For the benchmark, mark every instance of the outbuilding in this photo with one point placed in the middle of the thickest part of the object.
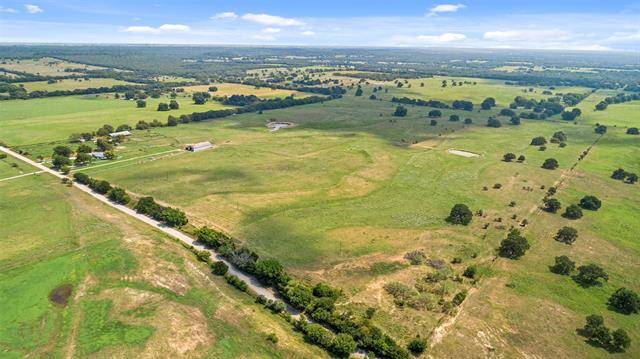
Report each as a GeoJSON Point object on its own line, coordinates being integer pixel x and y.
{"type": "Point", "coordinates": [199, 146]}
{"type": "Point", "coordinates": [98, 155]}
{"type": "Point", "coordinates": [121, 133]}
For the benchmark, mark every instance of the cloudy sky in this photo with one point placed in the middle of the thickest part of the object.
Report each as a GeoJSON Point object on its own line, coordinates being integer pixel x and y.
{"type": "Point", "coordinates": [539, 24]}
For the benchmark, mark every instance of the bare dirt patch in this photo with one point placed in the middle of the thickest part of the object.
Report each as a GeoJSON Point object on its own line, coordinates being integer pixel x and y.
{"type": "Point", "coordinates": [462, 153]}
{"type": "Point", "coordinates": [61, 294]}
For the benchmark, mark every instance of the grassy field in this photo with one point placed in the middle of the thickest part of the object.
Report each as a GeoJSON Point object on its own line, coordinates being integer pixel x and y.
{"type": "Point", "coordinates": [228, 89]}
{"type": "Point", "coordinates": [40, 121]}
{"type": "Point", "coordinates": [46, 66]}
{"type": "Point", "coordinates": [343, 195]}
{"type": "Point", "coordinates": [72, 84]}
{"type": "Point", "coordinates": [483, 88]}
{"type": "Point", "coordinates": [133, 292]}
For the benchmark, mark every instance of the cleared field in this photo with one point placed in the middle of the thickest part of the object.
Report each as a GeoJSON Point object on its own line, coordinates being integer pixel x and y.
{"type": "Point", "coordinates": [228, 89]}
{"type": "Point", "coordinates": [47, 66]}
{"type": "Point", "coordinates": [483, 88]}
{"type": "Point", "coordinates": [345, 193]}
{"type": "Point", "coordinates": [72, 84]}
{"type": "Point", "coordinates": [40, 121]}
{"type": "Point", "coordinates": [78, 279]}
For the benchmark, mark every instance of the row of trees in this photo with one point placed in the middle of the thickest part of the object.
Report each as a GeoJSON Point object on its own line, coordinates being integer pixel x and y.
{"type": "Point", "coordinates": [115, 194]}
{"type": "Point", "coordinates": [318, 302]}
{"type": "Point", "coordinates": [619, 98]}
{"type": "Point", "coordinates": [172, 217]}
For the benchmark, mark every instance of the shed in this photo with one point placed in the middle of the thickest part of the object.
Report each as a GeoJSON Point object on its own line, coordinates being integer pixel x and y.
{"type": "Point", "coordinates": [98, 155]}
{"type": "Point", "coordinates": [121, 133]}
{"type": "Point", "coordinates": [199, 146]}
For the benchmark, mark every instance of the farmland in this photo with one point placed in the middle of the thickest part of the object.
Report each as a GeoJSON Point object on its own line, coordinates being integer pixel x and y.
{"type": "Point", "coordinates": [134, 291]}
{"type": "Point", "coordinates": [355, 193]}
{"type": "Point", "coordinates": [72, 84]}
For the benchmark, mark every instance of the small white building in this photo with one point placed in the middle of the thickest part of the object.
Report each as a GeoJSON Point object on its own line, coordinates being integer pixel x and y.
{"type": "Point", "coordinates": [98, 155]}
{"type": "Point", "coordinates": [199, 146]}
{"type": "Point", "coordinates": [121, 133]}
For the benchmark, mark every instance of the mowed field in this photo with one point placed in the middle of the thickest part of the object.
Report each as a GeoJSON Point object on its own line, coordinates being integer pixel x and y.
{"type": "Point", "coordinates": [78, 279]}
{"type": "Point", "coordinates": [72, 84]}
{"type": "Point", "coordinates": [228, 89]}
{"type": "Point", "coordinates": [46, 66]}
{"type": "Point", "coordinates": [346, 193]}
{"type": "Point", "coordinates": [41, 121]}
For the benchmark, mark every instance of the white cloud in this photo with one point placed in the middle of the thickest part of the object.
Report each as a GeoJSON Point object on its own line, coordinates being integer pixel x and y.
{"type": "Point", "coordinates": [446, 37]}
{"type": "Point", "coordinates": [271, 30]}
{"type": "Point", "coordinates": [157, 30]}
{"type": "Point", "coordinates": [174, 27]}
{"type": "Point", "coordinates": [527, 35]}
{"type": "Point", "coordinates": [225, 15]}
{"type": "Point", "coordinates": [33, 9]}
{"type": "Point", "coordinates": [624, 37]}
{"type": "Point", "coordinates": [272, 20]}
{"type": "Point", "coordinates": [307, 33]}
{"type": "Point", "coordinates": [7, 9]}
{"type": "Point", "coordinates": [446, 8]}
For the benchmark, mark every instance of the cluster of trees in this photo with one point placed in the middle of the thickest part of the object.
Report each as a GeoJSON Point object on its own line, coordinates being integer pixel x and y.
{"type": "Point", "coordinates": [572, 99]}
{"type": "Point", "coordinates": [418, 102]}
{"type": "Point", "coordinates": [318, 302]}
{"type": "Point", "coordinates": [619, 98]}
{"type": "Point", "coordinates": [463, 105]}
{"type": "Point", "coordinates": [509, 157]}
{"type": "Point", "coordinates": [115, 194]}
{"type": "Point", "coordinates": [571, 115]}
{"type": "Point", "coordinates": [172, 105]}
{"type": "Point", "coordinates": [541, 109]}
{"type": "Point", "coordinates": [172, 217]}
{"type": "Point", "coordinates": [598, 334]}
{"type": "Point", "coordinates": [622, 175]}
{"type": "Point", "coordinates": [240, 100]}
{"type": "Point", "coordinates": [199, 98]}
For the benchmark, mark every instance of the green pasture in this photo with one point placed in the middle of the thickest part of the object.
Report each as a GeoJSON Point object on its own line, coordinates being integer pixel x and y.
{"type": "Point", "coordinates": [72, 84]}
{"type": "Point", "coordinates": [53, 236]}
{"type": "Point", "coordinates": [40, 121]}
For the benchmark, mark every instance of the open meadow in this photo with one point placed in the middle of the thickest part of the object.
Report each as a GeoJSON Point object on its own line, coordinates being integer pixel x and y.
{"type": "Point", "coordinates": [72, 84]}
{"type": "Point", "coordinates": [78, 279]}
{"type": "Point", "coordinates": [350, 191]}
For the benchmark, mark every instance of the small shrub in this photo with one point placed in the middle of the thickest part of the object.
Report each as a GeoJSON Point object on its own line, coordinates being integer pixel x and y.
{"type": "Point", "coordinates": [567, 235]}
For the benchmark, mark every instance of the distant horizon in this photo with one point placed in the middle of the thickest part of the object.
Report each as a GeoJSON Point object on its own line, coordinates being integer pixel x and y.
{"type": "Point", "coordinates": [541, 25]}
{"type": "Point", "coordinates": [284, 46]}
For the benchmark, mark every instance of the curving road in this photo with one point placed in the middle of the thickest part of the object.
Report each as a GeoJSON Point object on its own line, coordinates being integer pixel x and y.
{"type": "Point", "coordinates": [251, 281]}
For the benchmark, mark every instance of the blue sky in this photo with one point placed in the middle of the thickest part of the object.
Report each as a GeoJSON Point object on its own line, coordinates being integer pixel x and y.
{"type": "Point", "coordinates": [541, 24]}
